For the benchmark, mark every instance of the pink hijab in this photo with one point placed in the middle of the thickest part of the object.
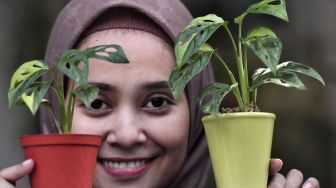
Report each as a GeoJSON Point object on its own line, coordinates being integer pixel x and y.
{"type": "Point", "coordinates": [171, 16]}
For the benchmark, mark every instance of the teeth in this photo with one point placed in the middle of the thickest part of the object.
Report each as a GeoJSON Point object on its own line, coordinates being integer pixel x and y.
{"type": "Point", "coordinates": [122, 165]}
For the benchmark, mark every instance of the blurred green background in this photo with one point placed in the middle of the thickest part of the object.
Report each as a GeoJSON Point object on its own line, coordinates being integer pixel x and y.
{"type": "Point", "coordinates": [304, 137]}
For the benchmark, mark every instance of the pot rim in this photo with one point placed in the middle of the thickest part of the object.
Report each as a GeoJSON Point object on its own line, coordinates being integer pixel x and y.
{"type": "Point", "coordinates": [60, 139]}
{"type": "Point", "coordinates": [239, 115]}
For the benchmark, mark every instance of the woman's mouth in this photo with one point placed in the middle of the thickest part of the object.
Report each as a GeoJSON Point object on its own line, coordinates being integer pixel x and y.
{"type": "Point", "coordinates": [125, 168]}
{"type": "Point", "coordinates": [123, 165]}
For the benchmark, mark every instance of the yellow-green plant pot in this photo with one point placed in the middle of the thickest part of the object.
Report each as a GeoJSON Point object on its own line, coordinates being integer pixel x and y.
{"type": "Point", "coordinates": [240, 147]}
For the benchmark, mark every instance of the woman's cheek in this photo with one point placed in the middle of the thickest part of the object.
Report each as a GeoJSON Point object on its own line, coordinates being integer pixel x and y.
{"type": "Point", "coordinates": [171, 131]}
{"type": "Point", "coordinates": [83, 124]}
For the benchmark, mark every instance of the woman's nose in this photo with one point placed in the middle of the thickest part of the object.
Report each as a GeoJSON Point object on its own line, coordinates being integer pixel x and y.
{"type": "Point", "coordinates": [126, 132]}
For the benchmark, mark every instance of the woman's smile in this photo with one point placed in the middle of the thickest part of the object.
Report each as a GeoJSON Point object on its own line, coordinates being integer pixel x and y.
{"type": "Point", "coordinates": [126, 168]}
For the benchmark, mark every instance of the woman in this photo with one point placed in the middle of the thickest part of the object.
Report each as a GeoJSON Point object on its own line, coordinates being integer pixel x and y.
{"type": "Point", "coordinates": [150, 140]}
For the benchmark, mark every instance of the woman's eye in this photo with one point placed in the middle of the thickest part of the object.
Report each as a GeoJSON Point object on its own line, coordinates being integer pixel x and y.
{"type": "Point", "coordinates": [157, 102]}
{"type": "Point", "coordinates": [97, 104]}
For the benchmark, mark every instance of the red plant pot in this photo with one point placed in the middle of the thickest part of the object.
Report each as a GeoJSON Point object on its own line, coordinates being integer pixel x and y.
{"type": "Point", "coordinates": [62, 160]}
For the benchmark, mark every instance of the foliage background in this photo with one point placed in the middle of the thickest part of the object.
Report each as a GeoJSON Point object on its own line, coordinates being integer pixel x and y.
{"type": "Point", "coordinates": [304, 137]}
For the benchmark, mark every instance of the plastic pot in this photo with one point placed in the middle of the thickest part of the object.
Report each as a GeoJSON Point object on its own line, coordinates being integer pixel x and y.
{"type": "Point", "coordinates": [62, 160]}
{"type": "Point", "coordinates": [240, 147]}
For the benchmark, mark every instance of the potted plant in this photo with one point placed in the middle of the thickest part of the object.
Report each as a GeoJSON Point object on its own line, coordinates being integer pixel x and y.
{"type": "Point", "coordinates": [64, 159]}
{"type": "Point", "coordinates": [239, 139]}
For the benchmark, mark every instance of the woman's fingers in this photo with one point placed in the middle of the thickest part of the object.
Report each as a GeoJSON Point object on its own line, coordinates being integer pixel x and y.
{"type": "Point", "coordinates": [311, 183]}
{"type": "Point", "coordinates": [14, 173]}
{"type": "Point", "coordinates": [275, 166]}
{"type": "Point", "coordinates": [277, 181]}
{"type": "Point", "coordinates": [294, 179]}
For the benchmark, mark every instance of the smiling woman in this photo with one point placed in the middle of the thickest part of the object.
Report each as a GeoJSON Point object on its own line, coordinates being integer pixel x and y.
{"type": "Point", "coordinates": [145, 129]}
{"type": "Point", "coordinates": [149, 139]}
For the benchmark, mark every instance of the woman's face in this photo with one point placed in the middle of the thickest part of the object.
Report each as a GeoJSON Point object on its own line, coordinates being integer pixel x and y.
{"type": "Point", "coordinates": [145, 131]}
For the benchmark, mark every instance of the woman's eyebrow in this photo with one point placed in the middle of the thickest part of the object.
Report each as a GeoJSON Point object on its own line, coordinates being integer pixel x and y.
{"type": "Point", "coordinates": [147, 86]}
{"type": "Point", "coordinates": [103, 86]}
{"type": "Point", "coordinates": [156, 85]}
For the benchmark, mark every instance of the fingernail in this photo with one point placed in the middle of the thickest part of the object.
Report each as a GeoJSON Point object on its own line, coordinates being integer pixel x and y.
{"type": "Point", "coordinates": [27, 162]}
{"type": "Point", "coordinates": [307, 185]}
{"type": "Point", "coordinates": [278, 159]}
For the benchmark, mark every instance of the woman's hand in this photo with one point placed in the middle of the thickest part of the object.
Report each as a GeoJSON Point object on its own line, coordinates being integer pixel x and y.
{"type": "Point", "coordinates": [293, 179]}
{"type": "Point", "coordinates": [10, 175]}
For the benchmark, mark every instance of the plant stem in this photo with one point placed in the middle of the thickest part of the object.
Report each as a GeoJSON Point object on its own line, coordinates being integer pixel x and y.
{"type": "Point", "coordinates": [69, 111]}
{"type": "Point", "coordinates": [72, 112]}
{"type": "Point", "coordinates": [242, 76]}
{"type": "Point", "coordinates": [60, 98]}
{"type": "Point", "coordinates": [235, 90]}
{"type": "Point", "coordinates": [57, 86]}
{"type": "Point", "coordinates": [238, 56]}
{"type": "Point", "coordinates": [232, 40]}
{"type": "Point", "coordinates": [246, 72]}
{"type": "Point", "coordinates": [59, 128]}
{"type": "Point", "coordinates": [254, 101]}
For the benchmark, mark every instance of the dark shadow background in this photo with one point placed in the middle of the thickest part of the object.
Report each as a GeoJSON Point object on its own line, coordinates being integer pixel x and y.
{"type": "Point", "coordinates": [304, 137]}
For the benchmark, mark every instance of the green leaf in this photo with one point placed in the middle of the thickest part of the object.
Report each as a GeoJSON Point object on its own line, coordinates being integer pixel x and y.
{"type": "Point", "coordinates": [216, 92]}
{"type": "Point", "coordinates": [68, 65]}
{"type": "Point", "coordinates": [111, 53]}
{"type": "Point", "coordinates": [265, 45]}
{"type": "Point", "coordinates": [276, 8]}
{"type": "Point", "coordinates": [86, 93]}
{"type": "Point", "coordinates": [286, 75]}
{"type": "Point", "coordinates": [260, 32]}
{"type": "Point", "coordinates": [69, 62]}
{"type": "Point", "coordinates": [194, 35]}
{"type": "Point", "coordinates": [33, 96]}
{"type": "Point", "coordinates": [286, 79]}
{"type": "Point", "coordinates": [291, 66]}
{"type": "Point", "coordinates": [23, 78]}
{"type": "Point", "coordinates": [180, 76]}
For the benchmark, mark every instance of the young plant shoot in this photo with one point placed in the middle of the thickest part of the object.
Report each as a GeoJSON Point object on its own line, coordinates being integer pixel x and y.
{"type": "Point", "coordinates": [27, 86]}
{"type": "Point", "coordinates": [193, 53]}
